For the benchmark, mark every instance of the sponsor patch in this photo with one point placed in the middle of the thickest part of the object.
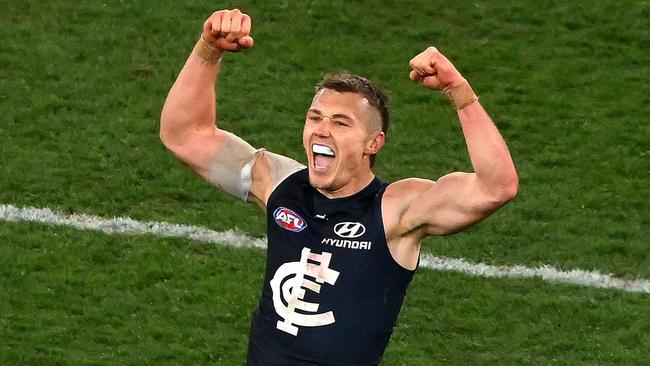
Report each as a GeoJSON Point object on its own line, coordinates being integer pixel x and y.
{"type": "Point", "coordinates": [289, 220]}
{"type": "Point", "coordinates": [349, 229]}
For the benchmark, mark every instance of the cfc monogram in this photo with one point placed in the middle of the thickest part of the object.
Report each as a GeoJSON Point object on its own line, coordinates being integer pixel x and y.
{"type": "Point", "coordinates": [289, 285]}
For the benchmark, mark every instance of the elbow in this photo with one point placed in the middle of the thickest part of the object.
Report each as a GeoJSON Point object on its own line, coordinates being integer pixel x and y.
{"type": "Point", "coordinates": [171, 142]}
{"type": "Point", "coordinates": [163, 134]}
{"type": "Point", "coordinates": [165, 138]}
{"type": "Point", "coordinates": [509, 189]}
{"type": "Point", "coordinates": [503, 192]}
{"type": "Point", "coordinates": [513, 190]}
{"type": "Point", "coordinates": [166, 135]}
{"type": "Point", "coordinates": [497, 194]}
{"type": "Point", "coordinates": [169, 122]}
{"type": "Point", "coordinates": [167, 141]}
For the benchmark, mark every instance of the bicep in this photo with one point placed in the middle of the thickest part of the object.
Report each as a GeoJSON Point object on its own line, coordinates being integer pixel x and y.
{"type": "Point", "coordinates": [198, 150]}
{"type": "Point", "coordinates": [234, 166]}
{"type": "Point", "coordinates": [448, 205]}
{"type": "Point", "coordinates": [220, 157]}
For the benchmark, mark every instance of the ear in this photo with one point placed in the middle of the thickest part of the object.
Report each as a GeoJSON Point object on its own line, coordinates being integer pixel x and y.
{"type": "Point", "coordinates": [375, 143]}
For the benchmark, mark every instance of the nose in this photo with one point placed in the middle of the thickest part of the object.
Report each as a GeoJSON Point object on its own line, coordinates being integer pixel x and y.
{"type": "Point", "coordinates": [322, 129]}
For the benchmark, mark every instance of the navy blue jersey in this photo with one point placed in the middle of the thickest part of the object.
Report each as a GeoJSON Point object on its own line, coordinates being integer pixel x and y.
{"type": "Point", "coordinates": [332, 291]}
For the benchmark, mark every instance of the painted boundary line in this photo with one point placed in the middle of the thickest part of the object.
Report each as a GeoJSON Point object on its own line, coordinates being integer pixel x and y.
{"type": "Point", "coordinates": [232, 238]}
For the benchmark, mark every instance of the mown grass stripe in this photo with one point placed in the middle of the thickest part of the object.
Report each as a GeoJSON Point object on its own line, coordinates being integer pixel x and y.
{"type": "Point", "coordinates": [233, 238]}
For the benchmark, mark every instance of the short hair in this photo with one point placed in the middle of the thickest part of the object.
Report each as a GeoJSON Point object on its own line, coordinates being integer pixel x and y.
{"type": "Point", "coordinates": [345, 82]}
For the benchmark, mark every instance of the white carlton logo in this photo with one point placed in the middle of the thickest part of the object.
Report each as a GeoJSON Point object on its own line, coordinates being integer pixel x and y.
{"type": "Point", "coordinates": [288, 294]}
{"type": "Point", "coordinates": [349, 229]}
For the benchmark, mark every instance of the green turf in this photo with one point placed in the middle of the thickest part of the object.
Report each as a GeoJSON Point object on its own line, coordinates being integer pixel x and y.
{"type": "Point", "coordinates": [81, 297]}
{"type": "Point", "coordinates": [81, 89]}
{"type": "Point", "coordinates": [75, 297]}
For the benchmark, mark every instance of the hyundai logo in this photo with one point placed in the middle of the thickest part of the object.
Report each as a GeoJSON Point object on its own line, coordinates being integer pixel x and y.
{"type": "Point", "coordinates": [349, 229]}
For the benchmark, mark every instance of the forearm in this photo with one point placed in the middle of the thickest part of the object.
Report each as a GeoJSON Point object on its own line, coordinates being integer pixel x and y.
{"type": "Point", "coordinates": [489, 155]}
{"type": "Point", "coordinates": [190, 106]}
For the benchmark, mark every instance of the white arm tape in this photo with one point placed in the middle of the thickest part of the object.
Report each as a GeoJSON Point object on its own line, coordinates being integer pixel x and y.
{"type": "Point", "coordinates": [281, 167]}
{"type": "Point", "coordinates": [232, 167]}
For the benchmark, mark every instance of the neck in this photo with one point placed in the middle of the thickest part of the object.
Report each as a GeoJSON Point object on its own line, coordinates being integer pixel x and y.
{"type": "Point", "coordinates": [355, 185]}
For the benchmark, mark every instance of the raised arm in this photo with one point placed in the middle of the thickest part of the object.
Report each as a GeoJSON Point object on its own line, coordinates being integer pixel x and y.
{"type": "Point", "coordinates": [457, 200]}
{"type": "Point", "coordinates": [188, 121]}
{"type": "Point", "coordinates": [188, 124]}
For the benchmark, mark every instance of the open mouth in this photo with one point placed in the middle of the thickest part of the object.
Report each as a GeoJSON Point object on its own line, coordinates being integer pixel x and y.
{"type": "Point", "coordinates": [324, 157]}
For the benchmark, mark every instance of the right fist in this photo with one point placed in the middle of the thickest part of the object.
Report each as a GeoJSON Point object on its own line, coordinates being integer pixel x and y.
{"type": "Point", "coordinates": [228, 30]}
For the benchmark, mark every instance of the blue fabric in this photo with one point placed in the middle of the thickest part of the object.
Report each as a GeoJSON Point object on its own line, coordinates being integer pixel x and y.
{"type": "Point", "coordinates": [357, 309]}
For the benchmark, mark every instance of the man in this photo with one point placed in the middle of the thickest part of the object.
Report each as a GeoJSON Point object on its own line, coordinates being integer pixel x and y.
{"type": "Point", "coordinates": [342, 244]}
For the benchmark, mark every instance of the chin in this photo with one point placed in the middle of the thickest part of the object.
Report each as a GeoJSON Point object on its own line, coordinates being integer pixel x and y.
{"type": "Point", "coordinates": [320, 181]}
{"type": "Point", "coordinates": [317, 182]}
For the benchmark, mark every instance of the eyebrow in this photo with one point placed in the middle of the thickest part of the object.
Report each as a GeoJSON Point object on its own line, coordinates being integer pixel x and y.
{"type": "Point", "coordinates": [334, 116]}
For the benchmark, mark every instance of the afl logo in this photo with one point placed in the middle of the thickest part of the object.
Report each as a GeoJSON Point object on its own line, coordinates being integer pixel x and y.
{"type": "Point", "coordinates": [289, 220]}
{"type": "Point", "coordinates": [349, 229]}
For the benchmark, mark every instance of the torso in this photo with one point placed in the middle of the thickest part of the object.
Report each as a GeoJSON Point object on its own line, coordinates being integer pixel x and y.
{"type": "Point", "coordinates": [347, 283]}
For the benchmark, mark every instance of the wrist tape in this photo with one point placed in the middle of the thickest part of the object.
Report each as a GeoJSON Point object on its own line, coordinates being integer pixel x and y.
{"type": "Point", "coordinates": [460, 95]}
{"type": "Point", "coordinates": [207, 52]}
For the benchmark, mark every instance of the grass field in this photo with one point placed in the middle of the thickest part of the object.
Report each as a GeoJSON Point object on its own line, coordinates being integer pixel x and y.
{"type": "Point", "coordinates": [81, 89]}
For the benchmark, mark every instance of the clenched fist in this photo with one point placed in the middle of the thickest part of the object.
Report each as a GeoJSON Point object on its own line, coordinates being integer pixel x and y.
{"type": "Point", "coordinates": [228, 30]}
{"type": "Point", "coordinates": [434, 71]}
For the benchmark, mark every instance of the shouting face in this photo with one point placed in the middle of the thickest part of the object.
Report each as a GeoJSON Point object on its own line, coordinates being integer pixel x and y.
{"type": "Point", "coordinates": [341, 132]}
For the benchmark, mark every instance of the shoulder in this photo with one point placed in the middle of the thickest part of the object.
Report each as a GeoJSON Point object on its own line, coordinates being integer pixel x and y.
{"type": "Point", "coordinates": [269, 171]}
{"type": "Point", "coordinates": [405, 191]}
{"type": "Point", "coordinates": [411, 190]}
{"type": "Point", "coordinates": [409, 186]}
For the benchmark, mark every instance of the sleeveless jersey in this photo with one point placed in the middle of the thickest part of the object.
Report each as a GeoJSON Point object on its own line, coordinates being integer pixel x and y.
{"type": "Point", "coordinates": [332, 291]}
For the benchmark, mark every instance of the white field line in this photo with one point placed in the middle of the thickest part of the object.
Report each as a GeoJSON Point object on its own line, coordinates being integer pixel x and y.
{"type": "Point", "coordinates": [125, 225]}
{"type": "Point", "coordinates": [233, 238]}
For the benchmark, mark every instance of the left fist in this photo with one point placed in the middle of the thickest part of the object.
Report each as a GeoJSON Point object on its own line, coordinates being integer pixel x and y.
{"type": "Point", "coordinates": [434, 71]}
